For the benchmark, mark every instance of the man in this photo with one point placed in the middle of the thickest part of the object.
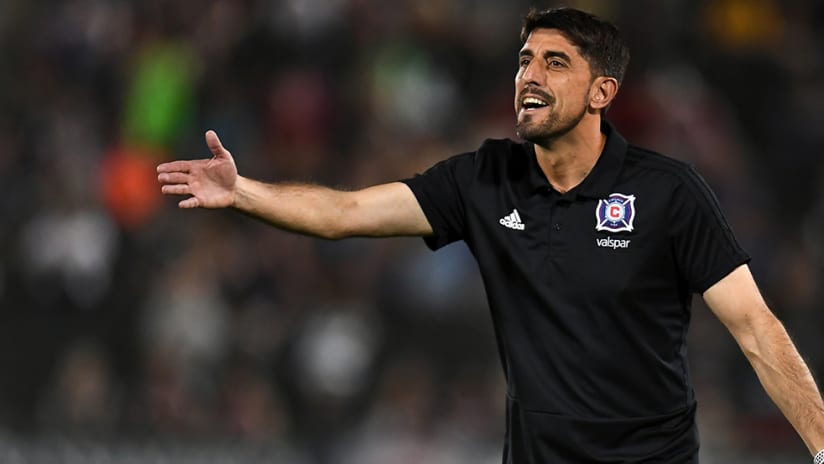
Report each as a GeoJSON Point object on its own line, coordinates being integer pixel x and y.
{"type": "Point", "coordinates": [590, 250]}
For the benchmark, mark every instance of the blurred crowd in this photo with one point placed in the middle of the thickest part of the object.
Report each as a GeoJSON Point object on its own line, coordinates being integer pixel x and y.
{"type": "Point", "coordinates": [132, 331]}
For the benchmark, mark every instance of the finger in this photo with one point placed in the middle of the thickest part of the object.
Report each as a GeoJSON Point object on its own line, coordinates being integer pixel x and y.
{"type": "Point", "coordinates": [189, 203]}
{"type": "Point", "coordinates": [177, 189]}
{"type": "Point", "coordinates": [175, 166]}
{"type": "Point", "coordinates": [214, 144]}
{"type": "Point", "coordinates": [173, 178]}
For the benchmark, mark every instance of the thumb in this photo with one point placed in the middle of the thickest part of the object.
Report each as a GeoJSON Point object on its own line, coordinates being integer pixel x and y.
{"type": "Point", "coordinates": [215, 146]}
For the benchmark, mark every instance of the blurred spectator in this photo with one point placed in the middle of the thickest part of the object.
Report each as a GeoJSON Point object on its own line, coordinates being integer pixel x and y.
{"type": "Point", "coordinates": [83, 401]}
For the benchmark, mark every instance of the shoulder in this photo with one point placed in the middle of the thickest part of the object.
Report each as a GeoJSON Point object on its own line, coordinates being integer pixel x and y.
{"type": "Point", "coordinates": [489, 150]}
{"type": "Point", "coordinates": [642, 161]}
{"type": "Point", "coordinates": [501, 145]}
{"type": "Point", "coordinates": [502, 153]}
{"type": "Point", "coordinates": [499, 151]}
{"type": "Point", "coordinates": [493, 159]}
{"type": "Point", "coordinates": [503, 161]}
{"type": "Point", "coordinates": [646, 160]}
{"type": "Point", "coordinates": [683, 184]}
{"type": "Point", "coordinates": [493, 155]}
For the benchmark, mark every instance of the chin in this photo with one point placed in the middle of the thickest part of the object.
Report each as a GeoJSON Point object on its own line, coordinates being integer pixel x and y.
{"type": "Point", "coordinates": [542, 133]}
{"type": "Point", "coordinates": [534, 133]}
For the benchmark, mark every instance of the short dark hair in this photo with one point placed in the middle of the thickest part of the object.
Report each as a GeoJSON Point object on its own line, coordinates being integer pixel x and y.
{"type": "Point", "coordinates": [598, 41]}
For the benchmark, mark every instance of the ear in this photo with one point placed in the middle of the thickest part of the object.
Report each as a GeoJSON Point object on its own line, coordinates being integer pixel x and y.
{"type": "Point", "coordinates": [602, 92]}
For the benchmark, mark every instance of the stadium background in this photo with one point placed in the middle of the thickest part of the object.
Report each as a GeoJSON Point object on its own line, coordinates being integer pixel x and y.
{"type": "Point", "coordinates": [131, 331]}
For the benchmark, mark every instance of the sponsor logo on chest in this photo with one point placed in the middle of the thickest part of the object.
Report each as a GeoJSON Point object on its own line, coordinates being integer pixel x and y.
{"type": "Point", "coordinates": [610, 242]}
{"type": "Point", "coordinates": [615, 214]}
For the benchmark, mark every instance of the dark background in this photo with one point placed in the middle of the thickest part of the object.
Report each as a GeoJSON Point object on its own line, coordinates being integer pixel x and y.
{"type": "Point", "coordinates": [131, 331]}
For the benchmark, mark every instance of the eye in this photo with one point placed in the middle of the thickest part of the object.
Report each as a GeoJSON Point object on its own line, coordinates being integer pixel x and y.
{"type": "Point", "coordinates": [556, 64]}
{"type": "Point", "coordinates": [523, 62]}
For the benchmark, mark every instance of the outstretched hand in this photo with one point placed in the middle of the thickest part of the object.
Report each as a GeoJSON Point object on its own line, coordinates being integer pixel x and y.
{"type": "Point", "coordinates": [210, 182]}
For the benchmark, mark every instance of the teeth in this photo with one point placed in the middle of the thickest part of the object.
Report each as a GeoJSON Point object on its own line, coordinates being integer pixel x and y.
{"type": "Point", "coordinates": [533, 101]}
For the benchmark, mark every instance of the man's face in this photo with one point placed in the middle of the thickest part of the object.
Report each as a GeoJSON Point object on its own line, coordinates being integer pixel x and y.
{"type": "Point", "coordinates": [552, 87]}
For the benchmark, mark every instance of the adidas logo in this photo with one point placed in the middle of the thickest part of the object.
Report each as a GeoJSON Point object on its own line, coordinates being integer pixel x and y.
{"type": "Point", "coordinates": [512, 221]}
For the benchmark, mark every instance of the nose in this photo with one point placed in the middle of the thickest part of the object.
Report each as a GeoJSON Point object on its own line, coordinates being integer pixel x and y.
{"type": "Point", "coordinates": [531, 73]}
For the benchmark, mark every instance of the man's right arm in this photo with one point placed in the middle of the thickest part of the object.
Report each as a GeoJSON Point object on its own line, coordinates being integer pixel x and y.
{"type": "Point", "coordinates": [379, 211]}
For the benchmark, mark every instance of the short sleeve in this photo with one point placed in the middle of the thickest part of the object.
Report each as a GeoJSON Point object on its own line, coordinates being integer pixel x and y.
{"type": "Point", "coordinates": [441, 191]}
{"type": "Point", "coordinates": [705, 247]}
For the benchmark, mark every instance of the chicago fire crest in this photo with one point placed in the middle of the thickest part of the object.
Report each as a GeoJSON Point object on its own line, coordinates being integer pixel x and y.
{"type": "Point", "coordinates": [616, 213]}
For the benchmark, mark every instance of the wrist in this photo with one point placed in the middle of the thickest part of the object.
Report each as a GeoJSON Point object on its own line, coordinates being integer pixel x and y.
{"type": "Point", "coordinates": [239, 193]}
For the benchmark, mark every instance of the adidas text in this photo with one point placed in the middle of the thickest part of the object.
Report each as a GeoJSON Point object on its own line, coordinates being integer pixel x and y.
{"type": "Point", "coordinates": [610, 242]}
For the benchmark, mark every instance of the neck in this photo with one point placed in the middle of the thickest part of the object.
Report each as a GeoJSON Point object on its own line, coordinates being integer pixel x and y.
{"type": "Point", "coordinates": [567, 160]}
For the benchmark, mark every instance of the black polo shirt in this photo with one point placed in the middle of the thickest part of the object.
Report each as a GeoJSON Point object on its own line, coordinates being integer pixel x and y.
{"type": "Point", "coordinates": [590, 293]}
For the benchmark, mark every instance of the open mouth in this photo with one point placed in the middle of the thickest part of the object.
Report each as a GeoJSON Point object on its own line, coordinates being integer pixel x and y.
{"type": "Point", "coordinates": [533, 103]}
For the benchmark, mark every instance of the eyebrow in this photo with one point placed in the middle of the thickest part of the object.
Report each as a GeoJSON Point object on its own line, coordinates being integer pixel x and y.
{"type": "Point", "coordinates": [547, 54]}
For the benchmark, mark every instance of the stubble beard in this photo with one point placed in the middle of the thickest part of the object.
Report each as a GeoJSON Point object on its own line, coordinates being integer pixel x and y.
{"type": "Point", "coordinates": [543, 133]}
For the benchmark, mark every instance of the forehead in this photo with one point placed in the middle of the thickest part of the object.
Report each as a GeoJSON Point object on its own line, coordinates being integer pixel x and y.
{"type": "Point", "coordinates": [542, 40]}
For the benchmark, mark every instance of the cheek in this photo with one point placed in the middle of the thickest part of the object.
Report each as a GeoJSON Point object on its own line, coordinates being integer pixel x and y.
{"type": "Point", "coordinates": [518, 88]}
{"type": "Point", "coordinates": [584, 91]}
{"type": "Point", "coordinates": [574, 97]}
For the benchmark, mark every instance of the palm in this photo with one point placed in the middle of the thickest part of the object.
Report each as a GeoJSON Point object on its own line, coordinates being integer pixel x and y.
{"type": "Point", "coordinates": [210, 182]}
{"type": "Point", "coordinates": [213, 181]}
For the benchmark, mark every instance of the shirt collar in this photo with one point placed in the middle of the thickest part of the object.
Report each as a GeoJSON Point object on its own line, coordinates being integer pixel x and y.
{"type": "Point", "coordinates": [601, 180]}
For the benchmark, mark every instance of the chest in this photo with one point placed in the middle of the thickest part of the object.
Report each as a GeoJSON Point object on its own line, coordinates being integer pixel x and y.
{"type": "Point", "coordinates": [613, 244]}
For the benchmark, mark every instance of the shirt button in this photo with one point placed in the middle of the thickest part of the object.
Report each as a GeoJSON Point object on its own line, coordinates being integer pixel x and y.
{"type": "Point", "coordinates": [556, 226]}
